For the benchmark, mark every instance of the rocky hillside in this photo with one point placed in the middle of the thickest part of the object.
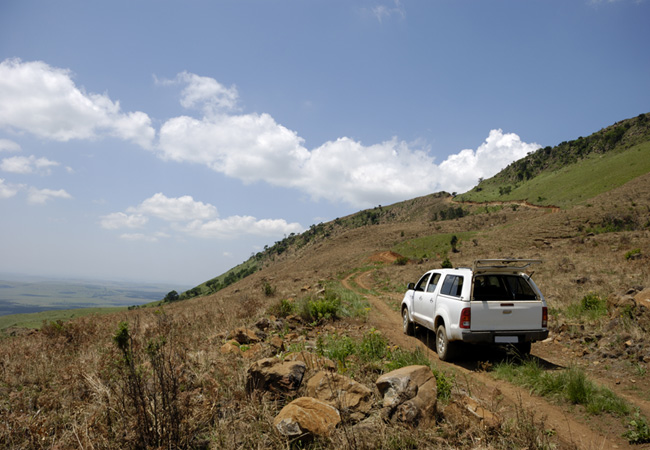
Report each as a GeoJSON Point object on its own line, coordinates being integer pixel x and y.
{"type": "Point", "coordinates": [307, 351]}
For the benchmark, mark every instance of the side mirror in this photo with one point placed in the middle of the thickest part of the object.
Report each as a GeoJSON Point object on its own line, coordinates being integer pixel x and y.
{"type": "Point", "coordinates": [410, 286]}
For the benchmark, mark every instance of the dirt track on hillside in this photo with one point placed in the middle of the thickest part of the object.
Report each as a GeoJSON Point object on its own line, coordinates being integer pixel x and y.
{"type": "Point", "coordinates": [570, 430]}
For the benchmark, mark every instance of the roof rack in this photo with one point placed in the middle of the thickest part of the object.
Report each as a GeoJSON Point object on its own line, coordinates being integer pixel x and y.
{"type": "Point", "coordinates": [504, 263]}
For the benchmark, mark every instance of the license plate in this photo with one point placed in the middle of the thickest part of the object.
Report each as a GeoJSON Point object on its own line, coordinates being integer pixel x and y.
{"type": "Point", "coordinates": [506, 339]}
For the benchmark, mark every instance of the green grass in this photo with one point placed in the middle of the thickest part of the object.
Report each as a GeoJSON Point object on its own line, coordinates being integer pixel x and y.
{"type": "Point", "coordinates": [590, 307]}
{"type": "Point", "coordinates": [570, 385]}
{"type": "Point", "coordinates": [573, 184]}
{"type": "Point", "coordinates": [35, 320]}
{"type": "Point", "coordinates": [372, 353]}
{"type": "Point", "coordinates": [434, 246]}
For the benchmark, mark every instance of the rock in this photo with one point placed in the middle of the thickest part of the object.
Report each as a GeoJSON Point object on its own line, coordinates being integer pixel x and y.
{"type": "Point", "coordinates": [312, 361]}
{"type": "Point", "coordinates": [465, 411]}
{"type": "Point", "coordinates": [275, 376]}
{"type": "Point", "coordinates": [246, 335]}
{"type": "Point", "coordinates": [230, 347]}
{"type": "Point", "coordinates": [402, 384]}
{"type": "Point", "coordinates": [351, 398]}
{"type": "Point", "coordinates": [263, 324]}
{"type": "Point", "coordinates": [409, 395]}
{"type": "Point", "coordinates": [277, 343]}
{"type": "Point", "coordinates": [305, 418]}
{"type": "Point", "coordinates": [253, 351]}
{"type": "Point", "coordinates": [421, 409]}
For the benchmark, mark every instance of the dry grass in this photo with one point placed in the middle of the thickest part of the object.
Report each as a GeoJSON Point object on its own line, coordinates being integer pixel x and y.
{"type": "Point", "coordinates": [67, 386]}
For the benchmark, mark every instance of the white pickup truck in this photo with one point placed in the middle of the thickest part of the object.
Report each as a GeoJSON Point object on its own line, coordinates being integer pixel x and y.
{"type": "Point", "coordinates": [493, 302]}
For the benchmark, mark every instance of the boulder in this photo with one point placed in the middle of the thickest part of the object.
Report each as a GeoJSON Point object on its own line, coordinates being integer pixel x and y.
{"type": "Point", "coordinates": [246, 336]}
{"type": "Point", "coordinates": [230, 347]}
{"type": "Point", "coordinates": [305, 418]}
{"type": "Point", "coordinates": [421, 409]}
{"type": "Point", "coordinates": [312, 361]}
{"type": "Point", "coordinates": [409, 395]}
{"type": "Point", "coordinates": [351, 398]}
{"type": "Point", "coordinates": [275, 376]}
{"type": "Point", "coordinates": [402, 384]}
{"type": "Point", "coordinates": [465, 412]}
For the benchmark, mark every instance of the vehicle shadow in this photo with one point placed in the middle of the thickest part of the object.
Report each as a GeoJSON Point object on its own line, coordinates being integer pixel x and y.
{"type": "Point", "coordinates": [480, 357]}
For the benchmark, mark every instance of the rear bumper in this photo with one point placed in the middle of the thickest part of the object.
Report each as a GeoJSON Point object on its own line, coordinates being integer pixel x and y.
{"type": "Point", "coordinates": [493, 336]}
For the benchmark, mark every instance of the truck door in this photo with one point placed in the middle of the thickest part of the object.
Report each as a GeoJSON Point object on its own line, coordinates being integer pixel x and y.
{"type": "Point", "coordinates": [418, 297]}
{"type": "Point", "coordinates": [429, 297]}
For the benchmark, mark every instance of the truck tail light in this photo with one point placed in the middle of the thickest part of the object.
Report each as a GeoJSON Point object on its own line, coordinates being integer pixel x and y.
{"type": "Point", "coordinates": [465, 318]}
{"type": "Point", "coordinates": [544, 317]}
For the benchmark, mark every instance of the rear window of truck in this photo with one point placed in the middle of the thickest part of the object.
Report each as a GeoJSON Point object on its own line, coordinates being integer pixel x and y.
{"type": "Point", "coordinates": [502, 287]}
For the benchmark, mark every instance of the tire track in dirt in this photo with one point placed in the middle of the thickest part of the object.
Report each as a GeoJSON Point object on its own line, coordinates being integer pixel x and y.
{"type": "Point", "coordinates": [572, 433]}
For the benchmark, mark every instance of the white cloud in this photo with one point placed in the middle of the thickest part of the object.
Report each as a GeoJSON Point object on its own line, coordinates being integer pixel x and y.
{"type": "Point", "coordinates": [138, 237]}
{"type": "Point", "coordinates": [9, 146]}
{"type": "Point", "coordinates": [121, 220]}
{"type": "Point", "coordinates": [44, 101]}
{"type": "Point", "coordinates": [40, 196]}
{"type": "Point", "coordinates": [250, 147]}
{"type": "Point", "coordinates": [382, 12]}
{"type": "Point", "coordinates": [254, 147]}
{"type": "Point", "coordinates": [181, 209]}
{"type": "Point", "coordinates": [194, 218]}
{"type": "Point", "coordinates": [7, 190]}
{"type": "Point", "coordinates": [27, 164]}
{"type": "Point", "coordinates": [238, 225]}
{"type": "Point", "coordinates": [460, 172]}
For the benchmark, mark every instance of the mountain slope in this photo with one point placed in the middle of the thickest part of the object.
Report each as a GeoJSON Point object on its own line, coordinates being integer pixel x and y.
{"type": "Point", "coordinates": [572, 172]}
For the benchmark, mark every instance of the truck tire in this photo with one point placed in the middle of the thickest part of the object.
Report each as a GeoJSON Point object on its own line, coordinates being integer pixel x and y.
{"type": "Point", "coordinates": [443, 346]}
{"type": "Point", "coordinates": [409, 327]}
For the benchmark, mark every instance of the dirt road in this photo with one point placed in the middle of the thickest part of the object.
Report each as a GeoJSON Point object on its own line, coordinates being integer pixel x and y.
{"type": "Point", "coordinates": [573, 430]}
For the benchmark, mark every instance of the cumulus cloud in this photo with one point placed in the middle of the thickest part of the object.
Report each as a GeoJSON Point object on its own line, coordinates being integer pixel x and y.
{"type": "Point", "coordinates": [41, 196]}
{"type": "Point", "coordinates": [121, 220]}
{"type": "Point", "coordinates": [9, 146]}
{"type": "Point", "coordinates": [204, 93]}
{"type": "Point", "coordinates": [250, 147]}
{"type": "Point", "coordinates": [179, 209]}
{"type": "Point", "coordinates": [254, 148]}
{"type": "Point", "coordinates": [27, 164]}
{"type": "Point", "coordinates": [236, 225]}
{"type": "Point", "coordinates": [194, 218]}
{"type": "Point", "coordinates": [44, 101]}
{"type": "Point", "coordinates": [7, 190]}
{"type": "Point", "coordinates": [461, 171]}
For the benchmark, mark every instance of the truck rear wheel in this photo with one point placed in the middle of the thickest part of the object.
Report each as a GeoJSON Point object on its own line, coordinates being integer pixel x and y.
{"type": "Point", "coordinates": [443, 346]}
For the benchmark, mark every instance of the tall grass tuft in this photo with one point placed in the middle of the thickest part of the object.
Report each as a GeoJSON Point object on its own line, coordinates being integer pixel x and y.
{"type": "Point", "coordinates": [570, 385]}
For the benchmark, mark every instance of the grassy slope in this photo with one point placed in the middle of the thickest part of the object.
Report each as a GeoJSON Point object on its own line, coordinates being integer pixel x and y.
{"type": "Point", "coordinates": [35, 320]}
{"type": "Point", "coordinates": [572, 172]}
{"type": "Point", "coordinates": [574, 184]}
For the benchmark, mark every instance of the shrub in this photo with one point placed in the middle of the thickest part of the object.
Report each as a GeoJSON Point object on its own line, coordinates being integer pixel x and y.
{"type": "Point", "coordinates": [148, 379]}
{"type": "Point", "coordinates": [632, 254]}
{"type": "Point", "coordinates": [591, 306]}
{"type": "Point", "coordinates": [638, 430]}
{"type": "Point", "coordinates": [268, 290]}
{"type": "Point", "coordinates": [446, 264]}
{"type": "Point", "coordinates": [283, 308]}
{"type": "Point", "coordinates": [401, 261]}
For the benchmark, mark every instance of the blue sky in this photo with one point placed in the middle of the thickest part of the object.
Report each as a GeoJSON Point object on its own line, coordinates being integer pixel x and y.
{"type": "Point", "coordinates": [167, 141]}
